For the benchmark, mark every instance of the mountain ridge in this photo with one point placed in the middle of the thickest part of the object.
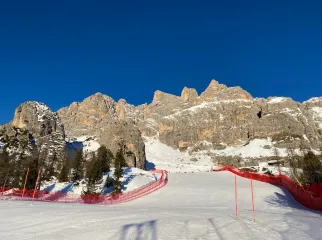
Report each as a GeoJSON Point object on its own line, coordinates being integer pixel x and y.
{"type": "Point", "coordinates": [221, 116]}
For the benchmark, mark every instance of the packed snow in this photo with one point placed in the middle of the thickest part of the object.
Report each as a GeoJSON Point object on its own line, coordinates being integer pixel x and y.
{"type": "Point", "coordinates": [190, 206]}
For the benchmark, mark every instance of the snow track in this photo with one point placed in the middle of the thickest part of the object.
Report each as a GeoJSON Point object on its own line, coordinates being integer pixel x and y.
{"type": "Point", "coordinates": [191, 206]}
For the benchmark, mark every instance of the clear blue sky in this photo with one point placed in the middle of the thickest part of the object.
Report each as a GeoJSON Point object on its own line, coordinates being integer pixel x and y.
{"type": "Point", "coordinates": [57, 52]}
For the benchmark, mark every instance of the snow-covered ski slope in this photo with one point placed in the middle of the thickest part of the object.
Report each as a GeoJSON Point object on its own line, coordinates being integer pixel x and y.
{"type": "Point", "coordinates": [191, 206]}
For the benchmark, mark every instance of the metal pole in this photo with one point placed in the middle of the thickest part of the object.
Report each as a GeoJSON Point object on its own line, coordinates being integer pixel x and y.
{"type": "Point", "coordinates": [236, 198]}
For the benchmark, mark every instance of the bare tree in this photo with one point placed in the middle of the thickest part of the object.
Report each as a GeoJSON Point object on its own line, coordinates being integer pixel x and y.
{"type": "Point", "coordinates": [276, 154]}
{"type": "Point", "coordinates": [292, 160]}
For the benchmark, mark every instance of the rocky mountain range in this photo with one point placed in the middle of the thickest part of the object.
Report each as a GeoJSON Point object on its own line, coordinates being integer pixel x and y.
{"type": "Point", "coordinates": [219, 118]}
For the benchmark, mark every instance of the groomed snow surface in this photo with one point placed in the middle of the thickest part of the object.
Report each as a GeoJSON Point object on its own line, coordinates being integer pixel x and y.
{"type": "Point", "coordinates": [191, 206]}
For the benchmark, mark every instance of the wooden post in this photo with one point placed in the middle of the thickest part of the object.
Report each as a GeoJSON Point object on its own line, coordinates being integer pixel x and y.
{"type": "Point", "coordinates": [236, 198]}
{"type": "Point", "coordinates": [24, 186]}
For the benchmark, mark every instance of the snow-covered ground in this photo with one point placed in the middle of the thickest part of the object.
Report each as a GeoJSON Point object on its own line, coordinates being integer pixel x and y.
{"type": "Point", "coordinates": [255, 148]}
{"type": "Point", "coordinates": [161, 156]}
{"type": "Point", "coordinates": [132, 178]}
{"type": "Point", "coordinates": [191, 206]}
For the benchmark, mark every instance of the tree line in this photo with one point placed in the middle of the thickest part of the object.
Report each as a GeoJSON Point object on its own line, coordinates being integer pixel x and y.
{"type": "Point", "coordinates": [14, 166]}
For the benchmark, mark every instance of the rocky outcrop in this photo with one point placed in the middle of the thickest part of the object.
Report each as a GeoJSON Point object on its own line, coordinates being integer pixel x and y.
{"type": "Point", "coordinates": [37, 118]}
{"type": "Point", "coordinates": [36, 127]}
{"type": "Point", "coordinates": [213, 88]}
{"type": "Point", "coordinates": [228, 116]}
{"type": "Point", "coordinates": [189, 94]}
{"type": "Point", "coordinates": [111, 123]}
{"type": "Point", "coordinates": [125, 134]}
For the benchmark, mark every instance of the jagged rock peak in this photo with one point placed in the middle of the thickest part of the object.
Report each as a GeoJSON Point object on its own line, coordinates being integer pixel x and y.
{"type": "Point", "coordinates": [189, 94]}
{"type": "Point", "coordinates": [97, 97]}
{"type": "Point", "coordinates": [159, 95]}
{"type": "Point", "coordinates": [212, 89]}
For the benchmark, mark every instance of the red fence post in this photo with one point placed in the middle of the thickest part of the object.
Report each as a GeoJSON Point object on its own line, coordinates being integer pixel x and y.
{"type": "Point", "coordinates": [236, 198]}
{"type": "Point", "coordinates": [24, 186]}
{"type": "Point", "coordinates": [253, 204]}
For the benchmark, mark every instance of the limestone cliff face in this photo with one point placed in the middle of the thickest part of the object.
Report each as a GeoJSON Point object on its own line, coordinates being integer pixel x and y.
{"type": "Point", "coordinates": [221, 117]}
{"type": "Point", "coordinates": [35, 124]}
{"type": "Point", "coordinates": [228, 116]}
{"type": "Point", "coordinates": [110, 122]}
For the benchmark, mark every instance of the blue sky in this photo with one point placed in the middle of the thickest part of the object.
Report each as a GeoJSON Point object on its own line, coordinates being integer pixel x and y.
{"type": "Point", "coordinates": [57, 52]}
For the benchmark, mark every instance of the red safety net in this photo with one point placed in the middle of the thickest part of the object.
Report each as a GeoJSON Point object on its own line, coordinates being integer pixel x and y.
{"type": "Point", "coordinates": [46, 196]}
{"type": "Point", "coordinates": [308, 196]}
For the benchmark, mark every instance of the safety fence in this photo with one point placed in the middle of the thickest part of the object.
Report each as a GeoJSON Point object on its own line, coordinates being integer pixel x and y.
{"type": "Point", "coordinates": [46, 196]}
{"type": "Point", "coordinates": [308, 196]}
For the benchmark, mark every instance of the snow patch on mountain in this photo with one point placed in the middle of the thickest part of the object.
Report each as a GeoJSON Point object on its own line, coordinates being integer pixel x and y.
{"type": "Point", "coordinates": [275, 100]}
{"type": "Point", "coordinates": [90, 146]}
{"type": "Point", "coordinates": [88, 143]}
{"type": "Point", "coordinates": [165, 157]}
{"type": "Point", "coordinates": [317, 115]}
{"type": "Point", "coordinates": [255, 148]}
{"type": "Point", "coordinates": [41, 110]}
{"type": "Point", "coordinates": [313, 100]}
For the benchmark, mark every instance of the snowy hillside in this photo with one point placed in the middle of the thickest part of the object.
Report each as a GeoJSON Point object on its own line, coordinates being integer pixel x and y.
{"type": "Point", "coordinates": [161, 156]}
{"type": "Point", "coordinates": [132, 178]}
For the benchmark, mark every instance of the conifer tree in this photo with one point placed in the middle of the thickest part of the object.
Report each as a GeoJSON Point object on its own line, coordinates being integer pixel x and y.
{"type": "Point", "coordinates": [312, 169]}
{"type": "Point", "coordinates": [119, 164]}
{"type": "Point", "coordinates": [104, 158]}
{"type": "Point", "coordinates": [64, 172]}
{"type": "Point", "coordinates": [50, 170]}
{"type": "Point", "coordinates": [94, 171]}
{"type": "Point", "coordinates": [4, 166]}
{"type": "Point", "coordinates": [78, 165]}
{"type": "Point", "coordinates": [19, 171]}
{"type": "Point", "coordinates": [31, 162]}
